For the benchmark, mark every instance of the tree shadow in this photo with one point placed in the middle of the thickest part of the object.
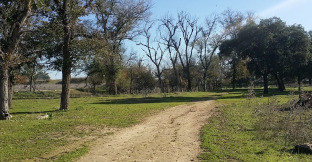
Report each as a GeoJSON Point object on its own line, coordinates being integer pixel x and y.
{"type": "Point", "coordinates": [156, 100]}
{"type": "Point", "coordinates": [34, 112]}
{"type": "Point", "coordinates": [244, 92]}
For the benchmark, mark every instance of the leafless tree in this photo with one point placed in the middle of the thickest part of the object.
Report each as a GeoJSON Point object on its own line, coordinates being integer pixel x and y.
{"type": "Point", "coordinates": [185, 45]}
{"type": "Point", "coordinates": [207, 45]}
{"type": "Point", "coordinates": [155, 54]}
{"type": "Point", "coordinates": [168, 29]}
{"type": "Point", "coordinates": [119, 20]}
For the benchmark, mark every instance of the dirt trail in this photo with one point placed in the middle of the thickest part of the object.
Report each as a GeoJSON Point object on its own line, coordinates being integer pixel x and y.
{"type": "Point", "coordinates": [171, 135]}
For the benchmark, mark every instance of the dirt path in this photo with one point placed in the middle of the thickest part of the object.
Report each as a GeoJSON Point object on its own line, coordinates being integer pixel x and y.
{"type": "Point", "coordinates": [171, 135]}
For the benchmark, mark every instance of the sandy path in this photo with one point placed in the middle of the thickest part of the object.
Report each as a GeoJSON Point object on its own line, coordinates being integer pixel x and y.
{"type": "Point", "coordinates": [171, 135]}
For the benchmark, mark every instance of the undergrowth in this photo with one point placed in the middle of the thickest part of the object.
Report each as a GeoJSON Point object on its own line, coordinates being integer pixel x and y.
{"type": "Point", "coordinates": [250, 128]}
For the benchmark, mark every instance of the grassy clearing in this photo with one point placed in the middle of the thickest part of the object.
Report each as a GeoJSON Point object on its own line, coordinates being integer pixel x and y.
{"type": "Point", "coordinates": [26, 137]}
{"type": "Point", "coordinates": [231, 134]}
{"type": "Point", "coordinates": [48, 94]}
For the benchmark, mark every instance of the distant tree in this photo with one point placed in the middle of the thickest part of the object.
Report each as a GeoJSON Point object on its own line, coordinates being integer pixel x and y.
{"type": "Point", "coordinates": [183, 36]}
{"type": "Point", "coordinates": [298, 53]}
{"type": "Point", "coordinates": [140, 77]}
{"type": "Point", "coordinates": [232, 22]}
{"type": "Point", "coordinates": [271, 48]}
{"type": "Point", "coordinates": [155, 53]}
{"type": "Point", "coordinates": [207, 45]}
{"type": "Point", "coordinates": [34, 71]}
{"type": "Point", "coordinates": [94, 80]}
{"type": "Point", "coordinates": [254, 42]}
{"type": "Point", "coordinates": [168, 29]}
{"type": "Point", "coordinates": [309, 66]}
{"type": "Point", "coordinates": [118, 20]}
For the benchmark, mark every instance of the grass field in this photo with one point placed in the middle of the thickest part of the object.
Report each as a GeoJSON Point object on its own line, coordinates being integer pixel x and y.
{"type": "Point", "coordinates": [231, 134]}
{"type": "Point", "coordinates": [26, 137]}
{"type": "Point", "coordinates": [65, 135]}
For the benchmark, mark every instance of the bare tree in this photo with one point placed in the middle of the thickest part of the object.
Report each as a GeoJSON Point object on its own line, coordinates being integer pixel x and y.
{"type": "Point", "coordinates": [119, 20]}
{"type": "Point", "coordinates": [168, 29]}
{"type": "Point", "coordinates": [207, 45]}
{"type": "Point", "coordinates": [155, 54]}
{"type": "Point", "coordinates": [189, 35]}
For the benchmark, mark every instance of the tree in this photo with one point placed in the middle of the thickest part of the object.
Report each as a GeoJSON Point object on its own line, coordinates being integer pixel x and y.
{"type": "Point", "coordinates": [119, 20]}
{"type": "Point", "coordinates": [271, 47]}
{"type": "Point", "coordinates": [33, 71]}
{"type": "Point", "coordinates": [309, 66]}
{"type": "Point", "coordinates": [13, 22]}
{"type": "Point", "coordinates": [232, 22]}
{"type": "Point", "coordinates": [255, 43]}
{"type": "Point", "coordinates": [207, 45]}
{"type": "Point", "coordinates": [155, 54]}
{"type": "Point", "coordinates": [67, 23]}
{"type": "Point", "coordinates": [183, 37]}
{"type": "Point", "coordinates": [298, 52]}
{"type": "Point", "coordinates": [168, 29]}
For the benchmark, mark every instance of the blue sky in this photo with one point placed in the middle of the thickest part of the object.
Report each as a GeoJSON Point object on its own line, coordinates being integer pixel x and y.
{"type": "Point", "coordinates": [291, 11]}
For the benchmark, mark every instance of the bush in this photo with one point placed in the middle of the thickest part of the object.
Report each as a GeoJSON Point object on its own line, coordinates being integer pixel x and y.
{"type": "Point", "coordinates": [284, 122]}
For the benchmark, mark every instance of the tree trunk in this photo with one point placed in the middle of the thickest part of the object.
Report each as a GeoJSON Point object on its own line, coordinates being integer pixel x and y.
{"type": "Point", "coordinates": [30, 83]}
{"type": "Point", "coordinates": [159, 80]}
{"type": "Point", "coordinates": [177, 78]}
{"type": "Point", "coordinates": [110, 85]}
{"type": "Point", "coordinates": [111, 74]}
{"type": "Point", "coordinates": [4, 93]}
{"type": "Point", "coordinates": [310, 81]}
{"type": "Point", "coordinates": [189, 79]}
{"type": "Point", "coordinates": [66, 68]}
{"type": "Point", "coordinates": [189, 84]}
{"type": "Point", "coordinates": [115, 87]}
{"type": "Point", "coordinates": [11, 84]}
{"type": "Point", "coordinates": [265, 84]}
{"type": "Point", "coordinates": [234, 75]}
{"type": "Point", "coordinates": [10, 91]}
{"type": "Point", "coordinates": [205, 80]}
{"type": "Point", "coordinates": [131, 80]}
{"type": "Point", "coordinates": [280, 83]}
{"type": "Point", "coordinates": [67, 62]}
{"type": "Point", "coordinates": [299, 85]}
{"type": "Point", "coordinates": [160, 84]}
{"type": "Point", "coordinates": [94, 88]}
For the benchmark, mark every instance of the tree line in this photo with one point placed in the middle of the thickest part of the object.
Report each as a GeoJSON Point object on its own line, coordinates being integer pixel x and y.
{"type": "Point", "coordinates": [180, 53]}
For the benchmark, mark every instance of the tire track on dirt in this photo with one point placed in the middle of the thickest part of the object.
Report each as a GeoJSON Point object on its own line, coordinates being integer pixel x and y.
{"type": "Point", "coordinates": [171, 135]}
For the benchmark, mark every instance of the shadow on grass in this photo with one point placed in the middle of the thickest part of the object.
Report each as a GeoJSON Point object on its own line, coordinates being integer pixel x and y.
{"type": "Point", "coordinates": [157, 100]}
{"type": "Point", "coordinates": [35, 112]}
{"type": "Point", "coordinates": [243, 93]}
{"type": "Point", "coordinates": [230, 94]}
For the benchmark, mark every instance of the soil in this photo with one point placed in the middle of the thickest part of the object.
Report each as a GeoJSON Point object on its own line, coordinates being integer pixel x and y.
{"type": "Point", "coordinates": [171, 135]}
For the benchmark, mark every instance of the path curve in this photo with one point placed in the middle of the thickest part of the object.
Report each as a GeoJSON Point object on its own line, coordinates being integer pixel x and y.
{"type": "Point", "coordinates": [171, 135]}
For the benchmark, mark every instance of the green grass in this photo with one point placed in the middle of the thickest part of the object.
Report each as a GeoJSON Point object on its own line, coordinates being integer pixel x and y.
{"type": "Point", "coordinates": [231, 134]}
{"type": "Point", "coordinates": [48, 94]}
{"type": "Point", "coordinates": [68, 156]}
{"type": "Point", "coordinates": [26, 137]}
